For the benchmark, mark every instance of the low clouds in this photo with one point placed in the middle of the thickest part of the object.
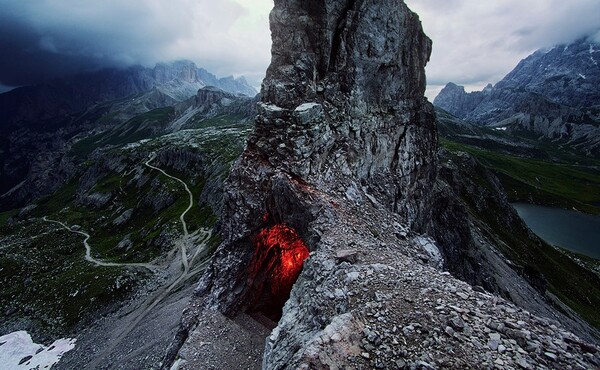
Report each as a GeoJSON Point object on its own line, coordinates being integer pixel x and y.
{"type": "Point", "coordinates": [477, 42]}
{"type": "Point", "coordinates": [43, 39]}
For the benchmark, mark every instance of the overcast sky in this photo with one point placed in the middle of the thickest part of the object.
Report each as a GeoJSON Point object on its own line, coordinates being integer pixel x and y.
{"type": "Point", "coordinates": [475, 41]}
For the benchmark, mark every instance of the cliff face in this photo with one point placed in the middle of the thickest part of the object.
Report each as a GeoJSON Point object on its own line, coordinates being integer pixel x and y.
{"type": "Point", "coordinates": [342, 112]}
{"type": "Point", "coordinates": [341, 99]}
{"type": "Point", "coordinates": [320, 212]}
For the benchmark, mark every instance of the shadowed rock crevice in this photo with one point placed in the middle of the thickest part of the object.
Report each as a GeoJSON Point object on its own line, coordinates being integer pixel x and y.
{"type": "Point", "coordinates": [338, 37]}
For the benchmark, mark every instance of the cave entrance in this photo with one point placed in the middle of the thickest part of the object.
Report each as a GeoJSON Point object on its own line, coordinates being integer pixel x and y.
{"type": "Point", "coordinates": [278, 259]}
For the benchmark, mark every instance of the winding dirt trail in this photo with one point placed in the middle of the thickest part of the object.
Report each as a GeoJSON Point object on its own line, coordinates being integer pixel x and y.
{"type": "Point", "coordinates": [187, 189]}
{"type": "Point", "coordinates": [188, 267]}
{"type": "Point", "coordinates": [88, 249]}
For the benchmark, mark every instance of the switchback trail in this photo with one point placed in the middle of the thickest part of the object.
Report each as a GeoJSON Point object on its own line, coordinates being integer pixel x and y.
{"type": "Point", "coordinates": [189, 268]}
{"type": "Point", "coordinates": [88, 249]}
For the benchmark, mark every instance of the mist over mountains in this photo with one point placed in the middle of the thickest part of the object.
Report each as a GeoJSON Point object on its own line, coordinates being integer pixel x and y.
{"type": "Point", "coordinates": [175, 81]}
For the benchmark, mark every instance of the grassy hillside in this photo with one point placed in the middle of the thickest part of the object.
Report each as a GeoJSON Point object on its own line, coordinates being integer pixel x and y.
{"type": "Point", "coordinates": [573, 279]}
{"type": "Point", "coordinates": [49, 285]}
{"type": "Point", "coordinates": [539, 181]}
{"type": "Point", "coordinates": [143, 126]}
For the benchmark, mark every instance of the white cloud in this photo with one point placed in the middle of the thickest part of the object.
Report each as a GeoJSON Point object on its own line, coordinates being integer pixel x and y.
{"type": "Point", "coordinates": [477, 42]}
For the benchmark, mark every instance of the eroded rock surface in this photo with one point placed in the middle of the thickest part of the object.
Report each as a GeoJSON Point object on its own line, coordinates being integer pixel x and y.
{"type": "Point", "coordinates": [343, 152]}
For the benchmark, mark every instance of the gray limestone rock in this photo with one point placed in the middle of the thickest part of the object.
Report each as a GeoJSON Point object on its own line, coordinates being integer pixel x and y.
{"type": "Point", "coordinates": [342, 104]}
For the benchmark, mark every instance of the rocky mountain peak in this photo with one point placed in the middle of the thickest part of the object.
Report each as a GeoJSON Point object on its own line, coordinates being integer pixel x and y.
{"type": "Point", "coordinates": [553, 92]}
{"type": "Point", "coordinates": [209, 95]}
{"type": "Point", "coordinates": [184, 71]}
{"type": "Point", "coordinates": [342, 122]}
{"type": "Point", "coordinates": [565, 74]}
{"type": "Point", "coordinates": [454, 99]}
{"type": "Point", "coordinates": [333, 48]}
{"type": "Point", "coordinates": [339, 89]}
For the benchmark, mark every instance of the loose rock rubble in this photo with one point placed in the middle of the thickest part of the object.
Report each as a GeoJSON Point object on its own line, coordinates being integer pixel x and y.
{"type": "Point", "coordinates": [385, 309]}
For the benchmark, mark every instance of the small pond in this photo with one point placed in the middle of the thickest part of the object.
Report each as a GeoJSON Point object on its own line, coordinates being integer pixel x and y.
{"type": "Point", "coordinates": [570, 230]}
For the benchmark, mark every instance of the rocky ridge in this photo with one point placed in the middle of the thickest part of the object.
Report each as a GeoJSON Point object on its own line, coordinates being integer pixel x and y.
{"type": "Point", "coordinates": [344, 153]}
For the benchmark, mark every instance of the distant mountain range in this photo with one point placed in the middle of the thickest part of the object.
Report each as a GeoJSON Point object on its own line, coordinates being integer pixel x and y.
{"type": "Point", "coordinates": [39, 124]}
{"type": "Point", "coordinates": [554, 93]}
{"type": "Point", "coordinates": [173, 82]}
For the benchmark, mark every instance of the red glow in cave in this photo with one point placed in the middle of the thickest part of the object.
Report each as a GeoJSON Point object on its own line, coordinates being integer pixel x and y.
{"type": "Point", "coordinates": [280, 253]}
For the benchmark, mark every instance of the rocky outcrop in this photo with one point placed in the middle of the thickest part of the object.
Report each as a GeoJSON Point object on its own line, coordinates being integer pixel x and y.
{"type": "Point", "coordinates": [340, 168]}
{"type": "Point", "coordinates": [212, 101]}
{"type": "Point", "coordinates": [209, 95]}
{"type": "Point", "coordinates": [345, 114]}
{"type": "Point", "coordinates": [454, 99]}
{"type": "Point", "coordinates": [340, 99]}
{"type": "Point", "coordinates": [342, 117]}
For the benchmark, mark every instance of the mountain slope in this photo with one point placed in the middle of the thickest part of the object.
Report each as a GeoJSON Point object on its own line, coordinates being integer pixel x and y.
{"type": "Point", "coordinates": [565, 74]}
{"type": "Point", "coordinates": [122, 201]}
{"type": "Point", "coordinates": [39, 123]}
{"type": "Point", "coordinates": [532, 169]}
{"type": "Point", "coordinates": [178, 80]}
{"type": "Point", "coordinates": [553, 93]}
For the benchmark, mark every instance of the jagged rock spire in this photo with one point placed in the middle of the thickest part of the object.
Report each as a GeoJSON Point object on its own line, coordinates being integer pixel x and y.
{"type": "Point", "coordinates": [345, 94]}
{"type": "Point", "coordinates": [374, 50]}
{"type": "Point", "coordinates": [343, 121]}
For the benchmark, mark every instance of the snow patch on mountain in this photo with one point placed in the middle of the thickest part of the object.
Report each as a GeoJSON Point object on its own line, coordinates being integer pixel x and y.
{"type": "Point", "coordinates": [17, 351]}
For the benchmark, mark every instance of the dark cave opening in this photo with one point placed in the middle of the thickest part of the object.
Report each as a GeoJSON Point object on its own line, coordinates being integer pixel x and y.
{"type": "Point", "coordinates": [279, 254]}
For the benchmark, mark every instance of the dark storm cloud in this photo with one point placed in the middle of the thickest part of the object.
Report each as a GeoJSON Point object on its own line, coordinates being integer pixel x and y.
{"type": "Point", "coordinates": [43, 39]}
{"type": "Point", "coordinates": [475, 41]}
{"type": "Point", "coordinates": [24, 62]}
